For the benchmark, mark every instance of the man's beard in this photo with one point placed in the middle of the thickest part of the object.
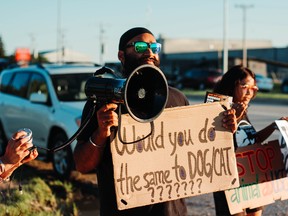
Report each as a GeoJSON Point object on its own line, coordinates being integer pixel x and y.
{"type": "Point", "coordinates": [131, 63]}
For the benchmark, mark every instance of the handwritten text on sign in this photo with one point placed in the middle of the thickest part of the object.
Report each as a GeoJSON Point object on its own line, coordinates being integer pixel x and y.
{"type": "Point", "coordinates": [260, 163]}
{"type": "Point", "coordinates": [189, 153]}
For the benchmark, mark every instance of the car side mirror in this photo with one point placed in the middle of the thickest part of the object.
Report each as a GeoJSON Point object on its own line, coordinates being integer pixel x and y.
{"type": "Point", "coordinates": [38, 98]}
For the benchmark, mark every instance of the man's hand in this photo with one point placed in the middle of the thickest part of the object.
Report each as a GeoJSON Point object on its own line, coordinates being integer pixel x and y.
{"type": "Point", "coordinates": [107, 118]}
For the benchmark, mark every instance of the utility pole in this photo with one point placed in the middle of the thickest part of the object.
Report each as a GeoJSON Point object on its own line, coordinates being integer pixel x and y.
{"type": "Point", "coordinates": [59, 34]}
{"type": "Point", "coordinates": [62, 48]}
{"type": "Point", "coordinates": [225, 38]}
{"type": "Point", "coordinates": [244, 9]}
{"type": "Point", "coordinates": [33, 46]}
{"type": "Point", "coordinates": [101, 39]}
{"type": "Point", "coordinates": [148, 15]}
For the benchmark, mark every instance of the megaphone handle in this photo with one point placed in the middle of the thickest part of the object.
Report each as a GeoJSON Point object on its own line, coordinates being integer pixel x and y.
{"type": "Point", "coordinates": [119, 131]}
{"type": "Point", "coordinates": [80, 129]}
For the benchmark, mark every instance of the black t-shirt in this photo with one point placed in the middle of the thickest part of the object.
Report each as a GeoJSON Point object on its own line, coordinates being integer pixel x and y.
{"type": "Point", "coordinates": [108, 205]}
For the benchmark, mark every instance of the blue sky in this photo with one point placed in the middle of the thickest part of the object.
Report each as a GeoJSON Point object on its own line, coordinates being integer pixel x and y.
{"type": "Point", "coordinates": [34, 23]}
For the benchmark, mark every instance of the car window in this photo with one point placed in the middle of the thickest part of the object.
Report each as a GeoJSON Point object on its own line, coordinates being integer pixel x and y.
{"type": "Point", "coordinates": [37, 85]}
{"type": "Point", "coordinates": [19, 85]}
{"type": "Point", "coordinates": [193, 73]}
{"type": "Point", "coordinates": [215, 73]}
{"type": "Point", "coordinates": [70, 87]}
{"type": "Point", "coordinates": [201, 73]}
{"type": "Point", "coordinates": [6, 78]}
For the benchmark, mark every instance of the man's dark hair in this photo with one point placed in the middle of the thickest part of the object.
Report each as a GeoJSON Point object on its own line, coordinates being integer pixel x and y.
{"type": "Point", "coordinates": [131, 33]}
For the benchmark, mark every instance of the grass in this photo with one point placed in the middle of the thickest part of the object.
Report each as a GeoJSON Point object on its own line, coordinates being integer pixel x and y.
{"type": "Point", "coordinates": [44, 194]}
{"type": "Point", "coordinates": [38, 198]}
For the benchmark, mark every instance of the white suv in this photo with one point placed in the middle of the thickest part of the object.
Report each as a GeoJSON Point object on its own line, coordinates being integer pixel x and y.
{"type": "Point", "coordinates": [49, 100]}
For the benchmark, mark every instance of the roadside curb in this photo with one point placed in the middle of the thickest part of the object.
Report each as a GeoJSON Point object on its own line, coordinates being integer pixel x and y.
{"type": "Point", "coordinates": [254, 101]}
{"type": "Point", "coordinates": [270, 101]}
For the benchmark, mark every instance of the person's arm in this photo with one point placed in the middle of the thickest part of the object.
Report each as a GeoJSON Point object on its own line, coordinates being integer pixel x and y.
{"type": "Point", "coordinates": [17, 153]}
{"type": "Point", "coordinates": [88, 154]}
{"type": "Point", "coordinates": [263, 134]}
{"type": "Point", "coordinates": [229, 120]}
{"type": "Point", "coordinates": [10, 168]}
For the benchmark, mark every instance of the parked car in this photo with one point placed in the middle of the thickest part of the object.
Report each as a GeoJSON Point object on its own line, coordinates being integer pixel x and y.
{"type": "Point", "coordinates": [264, 83]}
{"type": "Point", "coordinates": [198, 79]}
{"type": "Point", "coordinates": [284, 85]}
{"type": "Point", "coordinates": [49, 100]}
{"type": "Point", "coordinates": [3, 64]}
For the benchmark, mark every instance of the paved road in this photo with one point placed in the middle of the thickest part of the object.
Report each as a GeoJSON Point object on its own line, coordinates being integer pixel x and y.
{"type": "Point", "coordinates": [204, 205]}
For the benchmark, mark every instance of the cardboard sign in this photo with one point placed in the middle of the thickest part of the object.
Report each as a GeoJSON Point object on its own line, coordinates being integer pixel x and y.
{"type": "Point", "coordinates": [259, 163]}
{"type": "Point", "coordinates": [189, 153]}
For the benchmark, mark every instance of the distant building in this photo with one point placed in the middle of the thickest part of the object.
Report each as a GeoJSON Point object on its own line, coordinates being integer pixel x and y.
{"type": "Point", "coordinates": [65, 55]}
{"type": "Point", "coordinates": [178, 55]}
{"type": "Point", "coordinates": [173, 46]}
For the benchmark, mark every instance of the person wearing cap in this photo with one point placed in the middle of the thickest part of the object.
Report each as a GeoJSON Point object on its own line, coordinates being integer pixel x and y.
{"type": "Point", "coordinates": [137, 47]}
{"type": "Point", "coordinates": [17, 153]}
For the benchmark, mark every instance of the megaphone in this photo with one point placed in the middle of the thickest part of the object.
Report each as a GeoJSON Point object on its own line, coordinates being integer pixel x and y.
{"type": "Point", "coordinates": [144, 92]}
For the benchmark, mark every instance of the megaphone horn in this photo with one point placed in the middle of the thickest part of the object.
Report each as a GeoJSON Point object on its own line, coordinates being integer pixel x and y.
{"type": "Point", "coordinates": [146, 93]}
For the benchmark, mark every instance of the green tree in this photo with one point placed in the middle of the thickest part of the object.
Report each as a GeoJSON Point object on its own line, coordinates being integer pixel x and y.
{"type": "Point", "coordinates": [2, 50]}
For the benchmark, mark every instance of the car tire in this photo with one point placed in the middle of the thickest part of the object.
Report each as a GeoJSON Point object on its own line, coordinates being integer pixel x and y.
{"type": "Point", "coordinates": [62, 160]}
{"type": "Point", "coordinates": [3, 140]}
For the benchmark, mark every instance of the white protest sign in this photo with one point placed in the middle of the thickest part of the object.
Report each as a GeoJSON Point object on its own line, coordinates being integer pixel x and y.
{"type": "Point", "coordinates": [283, 127]}
{"type": "Point", "coordinates": [189, 153]}
{"type": "Point", "coordinates": [255, 195]}
{"type": "Point", "coordinates": [283, 140]}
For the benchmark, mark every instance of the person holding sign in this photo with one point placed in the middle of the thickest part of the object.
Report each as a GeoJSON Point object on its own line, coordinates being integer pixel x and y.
{"type": "Point", "coordinates": [240, 83]}
{"type": "Point", "coordinates": [137, 47]}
